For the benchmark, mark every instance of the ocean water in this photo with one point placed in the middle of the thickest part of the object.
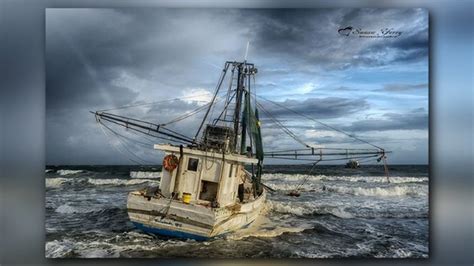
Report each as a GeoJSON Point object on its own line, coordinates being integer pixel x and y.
{"type": "Point", "coordinates": [341, 213]}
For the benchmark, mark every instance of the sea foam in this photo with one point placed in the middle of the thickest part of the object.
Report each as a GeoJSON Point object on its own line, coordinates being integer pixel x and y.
{"type": "Point", "coordinates": [68, 172]}
{"type": "Point", "coordinates": [307, 208]}
{"type": "Point", "coordinates": [117, 181]}
{"type": "Point", "coordinates": [55, 182]}
{"type": "Point", "coordinates": [380, 191]}
{"type": "Point", "coordinates": [366, 179]}
{"type": "Point", "coordinates": [67, 209]}
{"type": "Point", "coordinates": [144, 174]}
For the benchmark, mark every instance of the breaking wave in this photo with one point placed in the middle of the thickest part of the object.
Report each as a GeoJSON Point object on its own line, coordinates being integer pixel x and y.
{"type": "Point", "coordinates": [144, 174]}
{"type": "Point", "coordinates": [108, 211]}
{"type": "Point", "coordinates": [265, 228]}
{"type": "Point", "coordinates": [117, 181]}
{"type": "Point", "coordinates": [58, 249]}
{"type": "Point", "coordinates": [273, 232]}
{"type": "Point", "coordinates": [380, 191]}
{"type": "Point", "coordinates": [366, 179]}
{"type": "Point", "coordinates": [56, 182]}
{"type": "Point", "coordinates": [68, 172]}
{"type": "Point", "coordinates": [386, 191]}
{"type": "Point", "coordinates": [291, 186]}
{"type": "Point", "coordinates": [389, 191]}
{"type": "Point", "coordinates": [62, 181]}
{"type": "Point", "coordinates": [67, 209]}
{"type": "Point", "coordinates": [110, 247]}
{"type": "Point", "coordinates": [315, 209]}
{"type": "Point", "coordinates": [307, 208]}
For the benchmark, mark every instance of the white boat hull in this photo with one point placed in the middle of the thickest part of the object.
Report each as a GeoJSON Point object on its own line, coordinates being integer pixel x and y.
{"type": "Point", "coordinates": [177, 219]}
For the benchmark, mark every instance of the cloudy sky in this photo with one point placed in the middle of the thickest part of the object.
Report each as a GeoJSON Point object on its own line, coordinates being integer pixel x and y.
{"type": "Point", "coordinates": [375, 88]}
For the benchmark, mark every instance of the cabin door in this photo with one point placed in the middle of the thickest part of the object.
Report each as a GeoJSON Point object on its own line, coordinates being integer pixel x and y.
{"type": "Point", "coordinates": [191, 176]}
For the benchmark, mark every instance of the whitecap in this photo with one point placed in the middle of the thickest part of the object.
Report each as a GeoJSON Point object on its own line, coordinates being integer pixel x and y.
{"type": "Point", "coordinates": [68, 172]}
{"type": "Point", "coordinates": [367, 179]}
{"type": "Point", "coordinates": [144, 174]}
{"type": "Point", "coordinates": [380, 191]}
{"type": "Point", "coordinates": [56, 182]}
{"type": "Point", "coordinates": [67, 209]}
{"type": "Point", "coordinates": [117, 181]}
{"type": "Point", "coordinates": [400, 253]}
{"type": "Point", "coordinates": [264, 227]}
{"type": "Point", "coordinates": [307, 208]}
{"type": "Point", "coordinates": [58, 249]}
{"type": "Point", "coordinates": [292, 186]}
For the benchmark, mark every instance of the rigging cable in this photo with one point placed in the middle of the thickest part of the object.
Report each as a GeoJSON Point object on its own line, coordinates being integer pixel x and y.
{"type": "Point", "coordinates": [125, 146]}
{"type": "Point", "coordinates": [145, 133]}
{"type": "Point", "coordinates": [191, 113]}
{"type": "Point", "coordinates": [296, 191]}
{"type": "Point", "coordinates": [282, 127]}
{"type": "Point", "coordinates": [186, 115]}
{"type": "Point", "coordinates": [224, 111]}
{"type": "Point", "coordinates": [291, 134]}
{"type": "Point", "coordinates": [228, 99]}
{"type": "Point", "coordinates": [321, 123]}
{"type": "Point", "coordinates": [221, 79]}
{"type": "Point", "coordinates": [385, 167]}
{"type": "Point", "coordinates": [153, 103]}
{"type": "Point", "coordinates": [101, 125]}
{"type": "Point", "coordinates": [143, 144]}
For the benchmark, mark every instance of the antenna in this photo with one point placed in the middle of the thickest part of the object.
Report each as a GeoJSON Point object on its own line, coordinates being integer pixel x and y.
{"type": "Point", "coordinates": [246, 50]}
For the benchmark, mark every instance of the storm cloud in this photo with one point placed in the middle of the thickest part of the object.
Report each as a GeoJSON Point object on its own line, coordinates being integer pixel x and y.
{"type": "Point", "coordinates": [106, 58]}
{"type": "Point", "coordinates": [415, 119]}
{"type": "Point", "coordinates": [403, 87]}
{"type": "Point", "coordinates": [331, 107]}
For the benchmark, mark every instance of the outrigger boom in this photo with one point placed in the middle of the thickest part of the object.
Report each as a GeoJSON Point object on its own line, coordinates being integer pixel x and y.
{"type": "Point", "coordinates": [140, 125]}
{"type": "Point", "coordinates": [319, 153]}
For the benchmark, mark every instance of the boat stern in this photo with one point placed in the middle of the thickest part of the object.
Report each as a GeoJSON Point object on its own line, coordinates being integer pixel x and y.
{"type": "Point", "coordinates": [173, 218]}
{"type": "Point", "coordinates": [170, 217]}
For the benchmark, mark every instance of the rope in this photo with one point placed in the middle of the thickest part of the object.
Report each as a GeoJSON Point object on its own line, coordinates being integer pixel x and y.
{"type": "Point", "coordinates": [385, 167]}
{"type": "Point", "coordinates": [221, 79]}
{"type": "Point", "coordinates": [321, 123]}
{"type": "Point", "coordinates": [144, 144]}
{"type": "Point", "coordinates": [282, 127]}
{"type": "Point", "coordinates": [193, 112]}
{"type": "Point", "coordinates": [307, 177]}
{"type": "Point", "coordinates": [123, 145]}
{"type": "Point", "coordinates": [228, 99]}
{"type": "Point", "coordinates": [144, 132]}
{"type": "Point", "coordinates": [184, 116]}
{"type": "Point", "coordinates": [152, 103]}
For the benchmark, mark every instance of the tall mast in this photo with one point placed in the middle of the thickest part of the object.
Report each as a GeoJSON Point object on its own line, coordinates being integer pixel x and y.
{"type": "Point", "coordinates": [238, 102]}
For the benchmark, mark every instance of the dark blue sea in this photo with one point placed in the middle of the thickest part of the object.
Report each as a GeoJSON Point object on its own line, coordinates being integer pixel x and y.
{"type": "Point", "coordinates": [341, 213]}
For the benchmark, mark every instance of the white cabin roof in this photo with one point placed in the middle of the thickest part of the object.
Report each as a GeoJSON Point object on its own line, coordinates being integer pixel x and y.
{"type": "Point", "coordinates": [228, 156]}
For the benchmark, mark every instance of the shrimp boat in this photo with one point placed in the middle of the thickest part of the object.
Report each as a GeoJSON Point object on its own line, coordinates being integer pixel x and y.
{"type": "Point", "coordinates": [211, 183]}
{"type": "Point", "coordinates": [205, 189]}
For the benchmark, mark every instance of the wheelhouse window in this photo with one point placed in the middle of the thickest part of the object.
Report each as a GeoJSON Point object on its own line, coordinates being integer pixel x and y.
{"type": "Point", "coordinates": [193, 164]}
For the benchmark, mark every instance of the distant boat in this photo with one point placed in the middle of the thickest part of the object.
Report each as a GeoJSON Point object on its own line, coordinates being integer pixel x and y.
{"type": "Point", "coordinates": [205, 190]}
{"type": "Point", "coordinates": [353, 164]}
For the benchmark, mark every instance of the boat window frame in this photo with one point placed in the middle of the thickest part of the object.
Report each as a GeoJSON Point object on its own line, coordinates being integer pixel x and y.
{"type": "Point", "coordinates": [191, 165]}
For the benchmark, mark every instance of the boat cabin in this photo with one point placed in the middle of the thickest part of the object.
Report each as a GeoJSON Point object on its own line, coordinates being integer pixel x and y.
{"type": "Point", "coordinates": [210, 178]}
